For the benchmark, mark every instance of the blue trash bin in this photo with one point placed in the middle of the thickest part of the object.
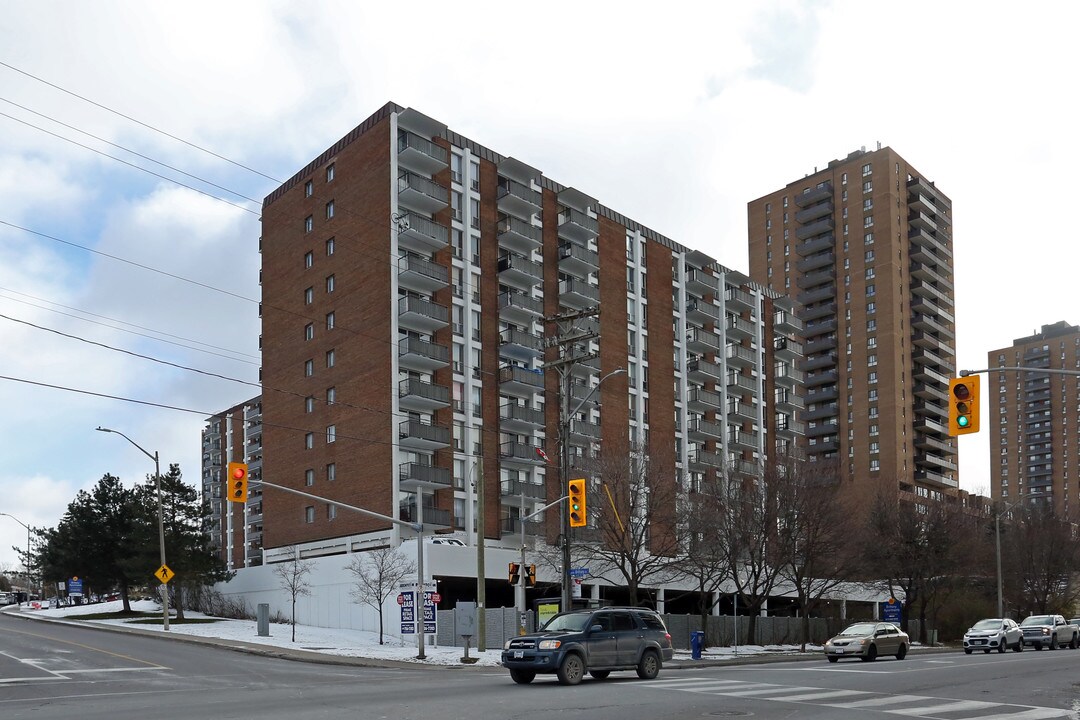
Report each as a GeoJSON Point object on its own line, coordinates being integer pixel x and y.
{"type": "Point", "coordinates": [697, 642]}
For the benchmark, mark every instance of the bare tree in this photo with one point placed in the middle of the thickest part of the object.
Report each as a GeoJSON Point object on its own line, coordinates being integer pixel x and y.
{"type": "Point", "coordinates": [919, 548]}
{"type": "Point", "coordinates": [377, 575]}
{"type": "Point", "coordinates": [705, 559]}
{"type": "Point", "coordinates": [815, 552]}
{"type": "Point", "coordinates": [293, 577]}
{"type": "Point", "coordinates": [632, 500]}
{"type": "Point", "coordinates": [1040, 553]}
{"type": "Point", "coordinates": [748, 524]}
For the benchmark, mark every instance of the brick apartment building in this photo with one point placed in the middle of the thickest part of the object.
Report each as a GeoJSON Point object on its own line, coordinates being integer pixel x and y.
{"type": "Point", "coordinates": [410, 277]}
{"type": "Point", "coordinates": [1033, 420]}
{"type": "Point", "coordinates": [865, 248]}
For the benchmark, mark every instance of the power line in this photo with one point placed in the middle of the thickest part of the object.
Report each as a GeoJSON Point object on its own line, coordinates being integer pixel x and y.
{"type": "Point", "coordinates": [138, 122]}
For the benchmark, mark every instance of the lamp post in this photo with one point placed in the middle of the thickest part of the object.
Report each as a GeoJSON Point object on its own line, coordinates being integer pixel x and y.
{"type": "Point", "coordinates": [160, 520]}
{"type": "Point", "coordinates": [564, 431]}
{"type": "Point", "coordinates": [27, 550]}
{"type": "Point", "coordinates": [997, 550]}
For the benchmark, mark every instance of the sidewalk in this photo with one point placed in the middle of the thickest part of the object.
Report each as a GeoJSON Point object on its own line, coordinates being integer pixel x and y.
{"type": "Point", "coordinates": [361, 648]}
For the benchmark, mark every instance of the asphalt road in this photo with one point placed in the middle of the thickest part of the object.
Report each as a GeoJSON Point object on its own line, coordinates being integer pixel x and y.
{"type": "Point", "coordinates": [66, 671]}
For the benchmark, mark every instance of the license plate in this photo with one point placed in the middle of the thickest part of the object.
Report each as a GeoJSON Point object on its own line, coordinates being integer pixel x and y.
{"type": "Point", "coordinates": [519, 653]}
{"type": "Point", "coordinates": [839, 651]}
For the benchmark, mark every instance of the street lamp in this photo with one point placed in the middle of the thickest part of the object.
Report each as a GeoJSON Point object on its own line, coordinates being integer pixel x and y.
{"type": "Point", "coordinates": [160, 520]}
{"type": "Point", "coordinates": [997, 549]}
{"type": "Point", "coordinates": [27, 550]}
{"type": "Point", "coordinates": [564, 432]}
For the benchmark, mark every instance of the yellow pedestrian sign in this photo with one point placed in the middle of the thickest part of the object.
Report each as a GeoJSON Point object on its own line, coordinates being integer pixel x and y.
{"type": "Point", "coordinates": [164, 574]}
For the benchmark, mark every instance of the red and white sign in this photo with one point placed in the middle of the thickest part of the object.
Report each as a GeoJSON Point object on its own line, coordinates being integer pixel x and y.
{"type": "Point", "coordinates": [436, 598]}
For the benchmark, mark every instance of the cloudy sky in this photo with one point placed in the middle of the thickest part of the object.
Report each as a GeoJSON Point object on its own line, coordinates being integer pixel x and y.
{"type": "Point", "coordinates": [669, 113]}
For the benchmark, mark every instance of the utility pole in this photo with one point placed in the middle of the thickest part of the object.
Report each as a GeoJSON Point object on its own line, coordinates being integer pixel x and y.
{"type": "Point", "coordinates": [568, 339]}
{"type": "Point", "coordinates": [481, 576]}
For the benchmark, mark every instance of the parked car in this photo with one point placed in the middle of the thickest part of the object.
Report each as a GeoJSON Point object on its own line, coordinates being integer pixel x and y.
{"type": "Point", "coordinates": [867, 641]}
{"type": "Point", "coordinates": [1049, 631]}
{"type": "Point", "coordinates": [994, 634]}
{"type": "Point", "coordinates": [595, 641]}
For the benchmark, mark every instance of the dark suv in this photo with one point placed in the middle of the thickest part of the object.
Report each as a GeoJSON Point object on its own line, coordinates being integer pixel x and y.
{"type": "Point", "coordinates": [592, 641]}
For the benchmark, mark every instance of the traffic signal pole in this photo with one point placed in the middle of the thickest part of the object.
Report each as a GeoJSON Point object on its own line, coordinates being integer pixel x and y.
{"type": "Point", "coordinates": [418, 528]}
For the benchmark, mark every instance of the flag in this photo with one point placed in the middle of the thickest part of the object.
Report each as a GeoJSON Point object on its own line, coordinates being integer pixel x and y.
{"type": "Point", "coordinates": [542, 454]}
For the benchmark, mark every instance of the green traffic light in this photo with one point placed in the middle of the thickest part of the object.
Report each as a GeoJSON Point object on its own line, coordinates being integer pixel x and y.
{"type": "Point", "coordinates": [963, 421]}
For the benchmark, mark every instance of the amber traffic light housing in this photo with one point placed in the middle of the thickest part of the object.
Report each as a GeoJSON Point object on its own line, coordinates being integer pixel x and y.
{"type": "Point", "coordinates": [578, 512]}
{"type": "Point", "coordinates": [237, 489]}
{"type": "Point", "coordinates": [963, 405]}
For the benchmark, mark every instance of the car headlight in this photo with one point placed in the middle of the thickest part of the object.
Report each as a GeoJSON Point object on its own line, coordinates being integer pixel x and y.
{"type": "Point", "coordinates": [549, 644]}
{"type": "Point", "coordinates": [506, 645]}
{"type": "Point", "coordinates": [1046, 631]}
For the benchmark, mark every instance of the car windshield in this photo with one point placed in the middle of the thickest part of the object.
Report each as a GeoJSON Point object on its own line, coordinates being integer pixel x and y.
{"type": "Point", "coordinates": [1038, 620]}
{"type": "Point", "coordinates": [986, 625]}
{"type": "Point", "coordinates": [574, 622]}
{"type": "Point", "coordinates": [859, 629]}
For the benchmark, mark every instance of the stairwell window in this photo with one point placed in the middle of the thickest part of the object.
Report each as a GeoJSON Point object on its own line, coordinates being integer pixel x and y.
{"type": "Point", "coordinates": [309, 514]}
{"type": "Point", "coordinates": [329, 209]}
{"type": "Point", "coordinates": [309, 441]}
{"type": "Point", "coordinates": [329, 358]}
{"type": "Point", "coordinates": [309, 188]}
{"type": "Point", "coordinates": [330, 283]}
{"type": "Point", "coordinates": [309, 477]}
{"type": "Point", "coordinates": [331, 433]}
{"type": "Point", "coordinates": [309, 223]}
{"type": "Point", "coordinates": [309, 331]}
{"type": "Point", "coordinates": [329, 172]}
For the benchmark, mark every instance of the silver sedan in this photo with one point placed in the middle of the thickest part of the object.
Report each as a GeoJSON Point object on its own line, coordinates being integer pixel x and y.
{"type": "Point", "coordinates": [867, 641]}
{"type": "Point", "coordinates": [994, 634]}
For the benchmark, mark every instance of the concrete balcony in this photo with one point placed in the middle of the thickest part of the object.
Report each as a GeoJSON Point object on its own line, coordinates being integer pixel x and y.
{"type": "Point", "coordinates": [739, 356]}
{"type": "Point", "coordinates": [520, 419]}
{"type": "Point", "coordinates": [819, 327]}
{"type": "Point", "coordinates": [419, 396]}
{"type": "Point", "coordinates": [702, 312]}
{"type": "Point", "coordinates": [418, 475]}
{"type": "Point", "coordinates": [818, 311]}
{"type": "Point", "coordinates": [818, 227]}
{"type": "Point", "coordinates": [519, 381]}
{"type": "Point", "coordinates": [822, 343]}
{"type": "Point", "coordinates": [927, 273]}
{"type": "Point", "coordinates": [518, 489]}
{"type": "Point", "coordinates": [518, 307]}
{"type": "Point", "coordinates": [421, 194]}
{"type": "Point", "coordinates": [421, 314]}
{"type": "Point", "coordinates": [422, 436]}
{"type": "Point", "coordinates": [582, 431]}
{"type": "Point", "coordinates": [520, 345]}
{"type": "Point", "coordinates": [519, 271]}
{"type": "Point", "coordinates": [813, 212]}
{"type": "Point", "coordinates": [703, 461]}
{"type": "Point", "coordinates": [815, 245]}
{"type": "Point", "coordinates": [518, 454]}
{"type": "Point", "coordinates": [812, 280]}
{"type": "Point", "coordinates": [701, 283]}
{"type": "Point", "coordinates": [578, 260]}
{"type": "Point", "coordinates": [577, 294]}
{"type": "Point", "coordinates": [821, 395]}
{"type": "Point", "coordinates": [814, 195]}
{"type": "Point", "coordinates": [788, 400]}
{"type": "Point", "coordinates": [786, 321]}
{"type": "Point", "coordinates": [920, 237]}
{"type": "Point", "coordinates": [935, 479]}
{"type": "Point", "coordinates": [701, 370]}
{"type": "Point", "coordinates": [577, 227]}
{"type": "Point", "coordinates": [741, 411]}
{"type": "Point", "coordinates": [740, 440]}
{"type": "Point", "coordinates": [930, 324]}
{"type": "Point", "coordinates": [825, 292]}
{"type": "Point", "coordinates": [702, 341]}
{"type": "Point", "coordinates": [787, 349]}
{"type": "Point", "coordinates": [741, 385]}
{"type": "Point", "coordinates": [431, 516]}
{"type": "Point", "coordinates": [421, 234]}
{"type": "Point", "coordinates": [416, 153]}
{"type": "Point", "coordinates": [421, 275]}
{"type": "Point", "coordinates": [738, 328]}
{"type": "Point", "coordinates": [518, 235]}
{"type": "Point", "coordinates": [701, 430]}
{"type": "Point", "coordinates": [739, 300]}
{"type": "Point", "coordinates": [517, 199]}
{"type": "Point", "coordinates": [701, 400]}
{"type": "Point", "coordinates": [422, 355]}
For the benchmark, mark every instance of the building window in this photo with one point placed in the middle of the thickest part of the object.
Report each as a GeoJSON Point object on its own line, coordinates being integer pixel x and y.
{"type": "Point", "coordinates": [868, 204]}
{"type": "Point", "coordinates": [868, 186]}
{"type": "Point", "coordinates": [329, 209]}
{"type": "Point", "coordinates": [331, 511]}
{"type": "Point", "coordinates": [868, 238]}
{"type": "Point", "coordinates": [309, 440]}
{"type": "Point", "coordinates": [869, 273]}
{"type": "Point", "coordinates": [309, 223]}
{"type": "Point", "coordinates": [868, 221]}
{"type": "Point", "coordinates": [331, 472]}
{"type": "Point", "coordinates": [871, 325]}
{"type": "Point", "coordinates": [871, 308]}
{"type": "Point", "coordinates": [869, 256]}
{"type": "Point", "coordinates": [867, 169]}
{"type": "Point", "coordinates": [309, 477]}
{"type": "Point", "coordinates": [330, 283]}
{"type": "Point", "coordinates": [329, 321]}
{"type": "Point", "coordinates": [870, 290]}
{"type": "Point", "coordinates": [329, 172]}
{"type": "Point", "coordinates": [331, 433]}
{"type": "Point", "coordinates": [871, 342]}
{"type": "Point", "coordinates": [309, 331]}
{"type": "Point", "coordinates": [329, 358]}
{"type": "Point", "coordinates": [871, 361]}
{"type": "Point", "coordinates": [309, 259]}
{"type": "Point", "coordinates": [309, 189]}
{"type": "Point", "coordinates": [309, 404]}
{"type": "Point", "coordinates": [309, 368]}
{"type": "Point", "coordinates": [871, 379]}
{"type": "Point", "coordinates": [875, 465]}
{"type": "Point", "coordinates": [331, 395]}
{"type": "Point", "coordinates": [330, 246]}
{"type": "Point", "coordinates": [309, 514]}
{"type": "Point", "coordinates": [309, 296]}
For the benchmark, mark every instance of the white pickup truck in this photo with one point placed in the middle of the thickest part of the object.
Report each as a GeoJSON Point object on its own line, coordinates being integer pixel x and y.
{"type": "Point", "coordinates": [1050, 631]}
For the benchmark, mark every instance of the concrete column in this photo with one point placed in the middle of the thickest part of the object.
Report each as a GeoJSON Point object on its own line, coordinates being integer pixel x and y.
{"type": "Point", "coordinates": [660, 597]}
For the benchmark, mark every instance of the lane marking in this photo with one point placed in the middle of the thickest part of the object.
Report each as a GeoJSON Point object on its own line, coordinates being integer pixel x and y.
{"type": "Point", "coordinates": [80, 645]}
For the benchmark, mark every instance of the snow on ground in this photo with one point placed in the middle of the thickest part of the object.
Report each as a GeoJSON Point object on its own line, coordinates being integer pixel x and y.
{"type": "Point", "coordinates": [347, 643]}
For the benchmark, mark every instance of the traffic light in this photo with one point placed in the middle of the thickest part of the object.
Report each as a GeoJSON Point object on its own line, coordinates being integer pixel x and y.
{"type": "Point", "coordinates": [530, 577]}
{"type": "Point", "coordinates": [238, 480]}
{"type": "Point", "coordinates": [578, 511]}
{"type": "Point", "coordinates": [963, 405]}
{"type": "Point", "coordinates": [515, 576]}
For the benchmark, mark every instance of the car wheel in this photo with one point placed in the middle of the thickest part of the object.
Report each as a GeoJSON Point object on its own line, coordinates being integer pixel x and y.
{"type": "Point", "coordinates": [902, 652]}
{"type": "Point", "coordinates": [1001, 645]}
{"type": "Point", "coordinates": [1053, 643]}
{"type": "Point", "coordinates": [1019, 647]}
{"type": "Point", "coordinates": [871, 654]}
{"type": "Point", "coordinates": [1074, 643]}
{"type": "Point", "coordinates": [833, 659]}
{"type": "Point", "coordinates": [649, 665]}
{"type": "Point", "coordinates": [571, 670]}
{"type": "Point", "coordinates": [600, 674]}
{"type": "Point", "coordinates": [967, 651]}
{"type": "Point", "coordinates": [522, 677]}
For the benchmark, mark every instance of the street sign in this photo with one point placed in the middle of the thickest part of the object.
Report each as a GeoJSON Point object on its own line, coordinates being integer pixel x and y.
{"type": "Point", "coordinates": [164, 574]}
{"type": "Point", "coordinates": [75, 586]}
{"type": "Point", "coordinates": [890, 611]}
{"type": "Point", "coordinates": [579, 572]}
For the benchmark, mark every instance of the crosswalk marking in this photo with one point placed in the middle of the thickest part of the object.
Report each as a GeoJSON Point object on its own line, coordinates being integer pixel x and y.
{"type": "Point", "coordinates": [910, 706]}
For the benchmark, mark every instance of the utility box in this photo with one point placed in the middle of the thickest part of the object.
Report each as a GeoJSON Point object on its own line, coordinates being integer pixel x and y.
{"type": "Point", "coordinates": [465, 619]}
{"type": "Point", "coordinates": [262, 617]}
